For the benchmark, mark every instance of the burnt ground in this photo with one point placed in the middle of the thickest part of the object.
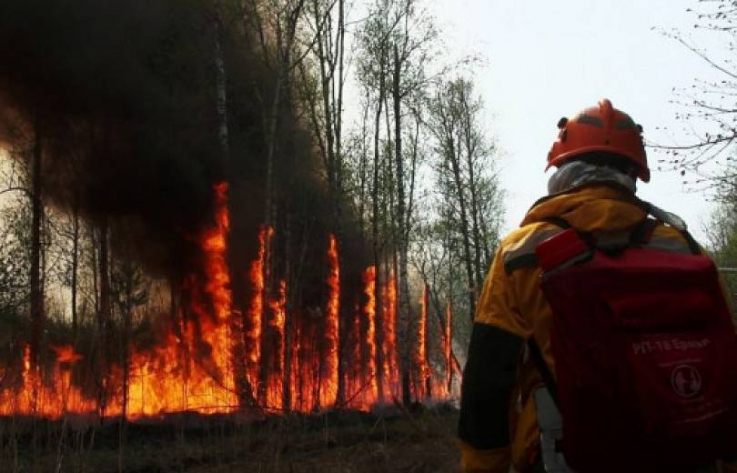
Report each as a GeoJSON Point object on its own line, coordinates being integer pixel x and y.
{"type": "Point", "coordinates": [338, 442]}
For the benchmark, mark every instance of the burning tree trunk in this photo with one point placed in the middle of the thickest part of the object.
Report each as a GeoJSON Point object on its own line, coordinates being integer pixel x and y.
{"type": "Point", "coordinates": [372, 372]}
{"type": "Point", "coordinates": [276, 378]}
{"type": "Point", "coordinates": [421, 373]}
{"type": "Point", "coordinates": [375, 215]}
{"type": "Point", "coordinates": [331, 375]}
{"type": "Point", "coordinates": [448, 346]}
{"type": "Point", "coordinates": [288, 309]}
{"type": "Point", "coordinates": [252, 322]}
{"type": "Point", "coordinates": [390, 371]}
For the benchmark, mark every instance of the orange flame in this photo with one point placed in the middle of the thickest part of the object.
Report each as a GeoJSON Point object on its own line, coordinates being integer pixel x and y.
{"type": "Point", "coordinates": [275, 388]}
{"type": "Point", "coordinates": [65, 354]}
{"type": "Point", "coordinates": [183, 374]}
{"type": "Point", "coordinates": [329, 392]}
{"type": "Point", "coordinates": [448, 348]}
{"type": "Point", "coordinates": [369, 278]}
{"type": "Point", "coordinates": [253, 334]}
{"type": "Point", "coordinates": [420, 353]}
{"type": "Point", "coordinates": [193, 367]}
{"type": "Point", "coordinates": [390, 370]}
{"type": "Point", "coordinates": [51, 399]}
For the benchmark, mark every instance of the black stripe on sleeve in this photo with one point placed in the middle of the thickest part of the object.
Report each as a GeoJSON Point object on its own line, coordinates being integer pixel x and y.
{"type": "Point", "coordinates": [524, 261]}
{"type": "Point", "coordinates": [488, 379]}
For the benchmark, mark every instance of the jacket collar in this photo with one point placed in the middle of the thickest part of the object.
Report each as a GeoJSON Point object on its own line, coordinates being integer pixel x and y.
{"type": "Point", "coordinates": [590, 207]}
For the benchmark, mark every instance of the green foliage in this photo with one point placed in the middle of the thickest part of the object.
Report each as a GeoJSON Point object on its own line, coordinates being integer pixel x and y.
{"type": "Point", "coordinates": [463, 216]}
{"type": "Point", "coordinates": [722, 235]}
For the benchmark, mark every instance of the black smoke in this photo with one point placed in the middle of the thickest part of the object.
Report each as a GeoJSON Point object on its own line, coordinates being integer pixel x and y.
{"type": "Point", "coordinates": [123, 94]}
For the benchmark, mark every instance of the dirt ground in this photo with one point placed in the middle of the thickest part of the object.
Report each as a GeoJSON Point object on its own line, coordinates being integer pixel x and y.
{"type": "Point", "coordinates": [345, 443]}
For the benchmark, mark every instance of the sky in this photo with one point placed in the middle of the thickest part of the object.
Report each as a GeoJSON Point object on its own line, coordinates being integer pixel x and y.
{"type": "Point", "coordinates": [546, 59]}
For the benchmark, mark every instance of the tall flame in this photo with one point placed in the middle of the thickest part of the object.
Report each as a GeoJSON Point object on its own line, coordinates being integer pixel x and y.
{"type": "Point", "coordinates": [255, 313]}
{"type": "Point", "coordinates": [420, 352]}
{"type": "Point", "coordinates": [390, 369]}
{"type": "Point", "coordinates": [275, 388]}
{"type": "Point", "coordinates": [369, 278]}
{"type": "Point", "coordinates": [329, 392]}
{"type": "Point", "coordinates": [195, 372]}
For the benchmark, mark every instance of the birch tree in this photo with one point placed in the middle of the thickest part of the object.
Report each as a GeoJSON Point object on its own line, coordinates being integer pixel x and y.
{"type": "Point", "coordinates": [469, 191]}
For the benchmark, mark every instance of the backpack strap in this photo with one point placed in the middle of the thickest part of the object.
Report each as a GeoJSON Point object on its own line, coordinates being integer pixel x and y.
{"type": "Point", "coordinates": [674, 221]}
{"type": "Point", "coordinates": [642, 233]}
{"type": "Point", "coordinates": [542, 367]}
{"type": "Point", "coordinates": [524, 255]}
{"type": "Point", "coordinates": [639, 235]}
{"type": "Point", "coordinates": [692, 243]}
{"type": "Point", "coordinates": [558, 222]}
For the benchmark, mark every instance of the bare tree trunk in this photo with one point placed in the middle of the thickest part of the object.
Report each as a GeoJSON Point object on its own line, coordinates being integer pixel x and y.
{"type": "Point", "coordinates": [375, 222]}
{"type": "Point", "coordinates": [327, 80]}
{"type": "Point", "coordinates": [404, 319]}
{"type": "Point", "coordinates": [103, 316]}
{"type": "Point", "coordinates": [222, 97]}
{"type": "Point", "coordinates": [94, 258]}
{"type": "Point", "coordinates": [465, 227]}
{"type": "Point", "coordinates": [338, 117]}
{"type": "Point", "coordinates": [75, 265]}
{"type": "Point", "coordinates": [37, 296]}
{"type": "Point", "coordinates": [363, 178]}
{"type": "Point", "coordinates": [470, 152]}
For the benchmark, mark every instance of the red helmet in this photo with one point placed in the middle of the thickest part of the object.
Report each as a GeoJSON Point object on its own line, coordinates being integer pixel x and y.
{"type": "Point", "coordinates": [600, 128]}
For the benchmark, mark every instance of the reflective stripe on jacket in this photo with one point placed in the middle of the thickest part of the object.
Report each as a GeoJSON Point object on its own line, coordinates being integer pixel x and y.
{"type": "Point", "coordinates": [498, 420]}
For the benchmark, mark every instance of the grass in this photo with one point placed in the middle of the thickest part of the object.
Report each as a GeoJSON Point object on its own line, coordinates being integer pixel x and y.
{"type": "Point", "coordinates": [342, 442]}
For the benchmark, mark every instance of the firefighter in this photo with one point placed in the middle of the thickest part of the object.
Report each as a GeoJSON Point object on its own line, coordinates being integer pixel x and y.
{"type": "Point", "coordinates": [507, 419]}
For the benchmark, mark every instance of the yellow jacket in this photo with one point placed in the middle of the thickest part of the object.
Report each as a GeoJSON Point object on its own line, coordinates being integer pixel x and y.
{"type": "Point", "coordinates": [498, 424]}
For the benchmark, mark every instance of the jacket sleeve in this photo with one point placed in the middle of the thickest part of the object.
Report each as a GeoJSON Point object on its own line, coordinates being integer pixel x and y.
{"type": "Point", "coordinates": [489, 378]}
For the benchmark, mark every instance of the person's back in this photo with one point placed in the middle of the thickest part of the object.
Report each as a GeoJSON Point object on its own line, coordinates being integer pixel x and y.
{"type": "Point", "coordinates": [600, 155]}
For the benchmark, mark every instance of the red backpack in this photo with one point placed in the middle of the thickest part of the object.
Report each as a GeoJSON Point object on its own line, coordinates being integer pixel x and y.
{"type": "Point", "coordinates": [645, 354]}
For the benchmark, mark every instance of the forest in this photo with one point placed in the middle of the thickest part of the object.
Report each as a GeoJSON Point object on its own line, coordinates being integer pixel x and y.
{"type": "Point", "coordinates": [251, 234]}
{"type": "Point", "coordinates": [232, 209]}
